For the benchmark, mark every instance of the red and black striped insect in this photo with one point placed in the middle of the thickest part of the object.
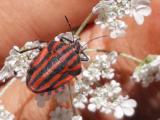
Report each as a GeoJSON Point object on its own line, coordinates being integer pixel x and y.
{"type": "Point", "coordinates": [56, 65]}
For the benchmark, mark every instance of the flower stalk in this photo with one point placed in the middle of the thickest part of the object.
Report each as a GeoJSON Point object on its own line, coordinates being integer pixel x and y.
{"type": "Point", "coordinates": [7, 86]}
{"type": "Point", "coordinates": [137, 60]}
{"type": "Point", "coordinates": [128, 56]}
{"type": "Point", "coordinates": [83, 25]}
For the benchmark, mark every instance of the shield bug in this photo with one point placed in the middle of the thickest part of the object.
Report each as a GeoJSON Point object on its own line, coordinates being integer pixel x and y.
{"type": "Point", "coordinates": [56, 64]}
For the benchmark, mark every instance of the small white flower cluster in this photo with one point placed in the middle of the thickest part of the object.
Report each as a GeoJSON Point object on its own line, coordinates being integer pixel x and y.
{"type": "Point", "coordinates": [100, 67]}
{"type": "Point", "coordinates": [110, 13]}
{"type": "Point", "coordinates": [106, 98]}
{"type": "Point", "coordinates": [5, 115]}
{"type": "Point", "coordinates": [148, 70]}
{"type": "Point", "coordinates": [17, 63]}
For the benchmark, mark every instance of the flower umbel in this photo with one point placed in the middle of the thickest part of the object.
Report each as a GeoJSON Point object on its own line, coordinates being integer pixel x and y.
{"type": "Point", "coordinates": [148, 70]}
{"type": "Point", "coordinates": [111, 12]}
{"type": "Point", "coordinates": [17, 63]}
{"type": "Point", "coordinates": [106, 98]}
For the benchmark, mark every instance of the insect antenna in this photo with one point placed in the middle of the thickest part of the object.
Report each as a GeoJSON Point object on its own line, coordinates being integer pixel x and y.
{"type": "Point", "coordinates": [70, 27]}
{"type": "Point", "coordinates": [95, 38]}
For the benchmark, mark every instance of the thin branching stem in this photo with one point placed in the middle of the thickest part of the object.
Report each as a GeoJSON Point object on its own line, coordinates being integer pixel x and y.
{"type": "Point", "coordinates": [7, 86]}
{"type": "Point", "coordinates": [71, 99]}
{"type": "Point", "coordinates": [83, 25]}
{"type": "Point", "coordinates": [128, 56]}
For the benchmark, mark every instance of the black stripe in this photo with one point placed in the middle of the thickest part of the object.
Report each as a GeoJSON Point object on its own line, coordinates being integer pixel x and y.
{"type": "Point", "coordinates": [52, 86]}
{"type": "Point", "coordinates": [77, 61]}
{"type": "Point", "coordinates": [75, 72]}
{"type": "Point", "coordinates": [49, 65]}
{"type": "Point", "coordinates": [44, 59]}
{"type": "Point", "coordinates": [57, 70]}
{"type": "Point", "coordinates": [57, 81]}
{"type": "Point", "coordinates": [50, 45]}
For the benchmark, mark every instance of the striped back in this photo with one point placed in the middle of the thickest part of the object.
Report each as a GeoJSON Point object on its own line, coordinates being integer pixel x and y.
{"type": "Point", "coordinates": [53, 67]}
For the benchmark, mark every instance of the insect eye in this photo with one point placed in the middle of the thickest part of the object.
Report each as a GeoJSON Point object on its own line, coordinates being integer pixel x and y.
{"type": "Point", "coordinates": [30, 71]}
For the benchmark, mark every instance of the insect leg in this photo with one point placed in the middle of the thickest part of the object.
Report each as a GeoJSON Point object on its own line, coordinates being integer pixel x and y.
{"type": "Point", "coordinates": [25, 50]}
{"type": "Point", "coordinates": [63, 39]}
{"type": "Point", "coordinates": [85, 57]}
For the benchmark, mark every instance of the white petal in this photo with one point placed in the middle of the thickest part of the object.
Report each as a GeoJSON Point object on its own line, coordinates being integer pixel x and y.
{"type": "Point", "coordinates": [92, 107]}
{"type": "Point", "coordinates": [78, 117]}
{"type": "Point", "coordinates": [118, 113]}
{"type": "Point", "coordinates": [129, 103]}
{"type": "Point", "coordinates": [143, 10]}
{"type": "Point", "coordinates": [128, 111]}
{"type": "Point", "coordinates": [138, 18]}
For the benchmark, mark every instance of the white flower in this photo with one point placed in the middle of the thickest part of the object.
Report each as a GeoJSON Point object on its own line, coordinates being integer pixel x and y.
{"type": "Point", "coordinates": [140, 8]}
{"type": "Point", "coordinates": [111, 12]}
{"type": "Point", "coordinates": [17, 64]}
{"type": "Point", "coordinates": [61, 114]}
{"type": "Point", "coordinates": [79, 101]}
{"type": "Point", "coordinates": [117, 28]}
{"type": "Point", "coordinates": [148, 70]}
{"type": "Point", "coordinates": [91, 74]}
{"type": "Point", "coordinates": [106, 98]}
{"type": "Point", "coordinates": [102, 95]}
{"type": "Point", "coordinates": [92, 107]}
{"type": "Point", "coordinates": [124, 107]}
{"type": "Point", "coordinates": [78, 117]}
{"type": "Point", "coordinates": [83, 87]}
{"type": "Point", "coordinates": [5, 115]}
{"type": "Point", "coordinates": [108, 73]}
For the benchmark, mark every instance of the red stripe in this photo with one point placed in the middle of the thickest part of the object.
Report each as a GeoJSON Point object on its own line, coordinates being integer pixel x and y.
{"type": "Point", "coordinates": [43, 53]}
{"type": "Point", "coordinates": [55, 45]}
{"type": "Point", "coordinates": [56, 77]}
{"type": "Point", "coordinates": [52, 68]}
{"type": "Point", "coordinates": [45, 63]}
{"type": "Point", "coordinates": [40, 57]}
{"type": "Point", "coordinates": [77, 67]}
{"type": "Point", "coordinates": [67, 79]}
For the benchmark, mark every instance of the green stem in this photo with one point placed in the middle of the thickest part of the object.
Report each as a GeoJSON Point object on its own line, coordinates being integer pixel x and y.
{"type": "Point", "coordinates": [83, 25]}
{"type": "Point", "coordinates": [120, 54]}
{"type": "Point", "coordinates": [131, 57]}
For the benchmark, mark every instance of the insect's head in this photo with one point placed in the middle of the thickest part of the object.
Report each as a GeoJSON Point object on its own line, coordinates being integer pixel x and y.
{"type": "Point", "coordinates": [77, 45]}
